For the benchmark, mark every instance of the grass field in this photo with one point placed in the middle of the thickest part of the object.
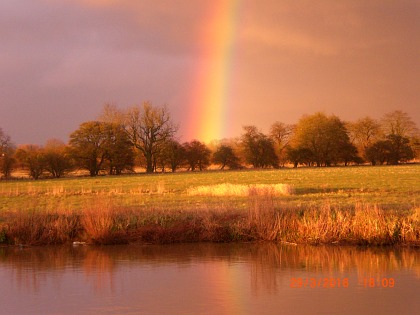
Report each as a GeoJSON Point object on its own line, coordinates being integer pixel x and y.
{"type": "Point", "coordinates": [161, 200]}
{"type": "Point", "coordinates": [390, 187]}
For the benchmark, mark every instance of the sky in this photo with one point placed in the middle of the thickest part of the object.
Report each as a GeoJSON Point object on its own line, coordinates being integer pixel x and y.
{"type": "Point", "coordinates": [216, 65]}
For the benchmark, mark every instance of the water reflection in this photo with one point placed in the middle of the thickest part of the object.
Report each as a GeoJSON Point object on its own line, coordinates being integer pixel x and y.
{"type": "Point", "coordinates": [208, 279]}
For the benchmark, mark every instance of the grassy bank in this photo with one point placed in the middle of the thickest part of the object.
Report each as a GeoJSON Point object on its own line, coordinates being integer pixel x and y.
{"type": "Point", "coordinates": [104, 223]}
{"type": "Point", "coordinates": [352, 205]}
{"type": "Point", "coordinates": [390, 187]}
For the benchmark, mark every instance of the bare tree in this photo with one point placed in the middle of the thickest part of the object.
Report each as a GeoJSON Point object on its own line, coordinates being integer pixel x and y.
{"type": "Point", "coordinates": [399, 123]}
{"type": "Point", "coordinates": [7, 149]}
{"type": "Point", "coordinates": [112, 114]}
{"type": "Point", "coordinates": [281, 133]}
{"type": "Point", "coordinates": [363, 133]}
{"type": "Point", "coordinates": [398, 127]}
{"type": "Point", "coordinates": [148, 128]}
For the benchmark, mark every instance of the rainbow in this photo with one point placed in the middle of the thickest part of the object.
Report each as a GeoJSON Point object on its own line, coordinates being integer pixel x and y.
{"type": "Point", "coordinates": [210, 101]}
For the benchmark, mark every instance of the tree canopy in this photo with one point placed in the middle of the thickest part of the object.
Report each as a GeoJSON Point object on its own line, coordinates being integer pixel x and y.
{"type": "Point", "coordinates": [325, 137]}
{"type": "Point", "coordinates": [148, 128]}
{"type": "Point", "coordinates": [145, 136]}
{"type": "Point", "coordinates": [258, 148]}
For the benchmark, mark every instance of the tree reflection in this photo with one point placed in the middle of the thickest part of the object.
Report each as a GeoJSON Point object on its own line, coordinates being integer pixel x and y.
{"type": "Point", "coordinates": [270, 265]}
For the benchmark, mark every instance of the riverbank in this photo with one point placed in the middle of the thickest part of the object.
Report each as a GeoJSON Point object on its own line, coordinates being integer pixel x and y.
{"type": "Point", "coordinates": [261, 220]}
{"type": "Point", "coordinates": [342, 205]}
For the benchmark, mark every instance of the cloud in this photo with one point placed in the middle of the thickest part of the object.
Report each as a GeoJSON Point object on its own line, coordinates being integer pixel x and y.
{"type": "Point", "coordinates": [289, 57]}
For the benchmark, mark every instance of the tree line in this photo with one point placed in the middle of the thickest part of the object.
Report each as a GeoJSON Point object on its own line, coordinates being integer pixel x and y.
{"type": "Point", "coordinates": [145, 135]}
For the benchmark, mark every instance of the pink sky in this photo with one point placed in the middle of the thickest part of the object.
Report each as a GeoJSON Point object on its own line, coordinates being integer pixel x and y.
{"type": "Point", "coordinates": [60, 61]}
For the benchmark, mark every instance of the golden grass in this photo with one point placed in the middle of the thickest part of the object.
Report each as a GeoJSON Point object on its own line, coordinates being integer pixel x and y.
{"type": "Point", "coordinates": [391, 188]}
{"type": "Point", "coordinates": [102, 222]}
{"type": "Point", "coordinates": [107, 225]}
{"type": "Point", "coordinates": [223, 190]}
{"type": "Point", "coordinates": [32, 227]}
{"type": "Point", "coordinates": [66, 190]}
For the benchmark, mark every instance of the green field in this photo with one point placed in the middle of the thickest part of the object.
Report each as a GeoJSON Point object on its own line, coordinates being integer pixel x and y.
{"type": "Point", "coordinates": [390, 187]}
{"type": "Point", "coordinates": [342, 205]}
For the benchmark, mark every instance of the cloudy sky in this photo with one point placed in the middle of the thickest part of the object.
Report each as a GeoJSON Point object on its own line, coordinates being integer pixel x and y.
{"type": "Point", "coordinates": [62, 60]}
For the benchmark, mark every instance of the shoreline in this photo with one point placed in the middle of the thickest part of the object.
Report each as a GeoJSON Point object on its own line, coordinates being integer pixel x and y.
{"type": "Point", "coordinates": [105, 224]}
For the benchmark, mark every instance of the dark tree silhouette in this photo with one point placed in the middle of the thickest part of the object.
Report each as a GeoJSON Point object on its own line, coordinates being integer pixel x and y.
{"type": "Point", "coordinates": [225, 156]}
{"type": "Point", "coordinates": [258, 148]}
{"type": "Point", "coordinates": [197, 155]}
{"type": "Point", "coordinates": [7, 150]}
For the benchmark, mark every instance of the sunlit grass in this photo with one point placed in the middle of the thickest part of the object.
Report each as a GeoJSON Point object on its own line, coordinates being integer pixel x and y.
{"type": "Point", "coordinates": [225, 190]}
{"type": "Point", "coordinates": [102, 222]}
{"type": "Point", "coordinates": [390, 187]}
{"type": "Point", "coordinates": [357, 205]}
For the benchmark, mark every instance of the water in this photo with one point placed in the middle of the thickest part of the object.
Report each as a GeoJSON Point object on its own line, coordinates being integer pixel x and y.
{"type": "Point", "coordinates": [209, 279]}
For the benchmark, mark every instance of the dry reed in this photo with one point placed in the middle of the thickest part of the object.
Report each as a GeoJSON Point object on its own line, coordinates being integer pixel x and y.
{"type": "Point", "coordinates": [102, 222]}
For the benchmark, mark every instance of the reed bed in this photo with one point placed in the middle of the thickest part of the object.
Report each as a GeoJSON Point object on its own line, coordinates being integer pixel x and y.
{"type": "Point", "coordinates": [103, 222]}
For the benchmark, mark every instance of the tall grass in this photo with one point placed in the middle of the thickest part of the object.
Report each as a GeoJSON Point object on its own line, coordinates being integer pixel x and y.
{"type": "Point", "coordinates": [102, 222]}
{"type": "Point", "coordinates": [32, 227]}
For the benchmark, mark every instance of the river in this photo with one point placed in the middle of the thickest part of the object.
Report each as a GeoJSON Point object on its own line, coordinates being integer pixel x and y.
{"type": "Point", "coordinates": [243, 278]}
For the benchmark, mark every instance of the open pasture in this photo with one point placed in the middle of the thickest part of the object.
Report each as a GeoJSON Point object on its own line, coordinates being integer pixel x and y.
{"type": "Point", "coordinates": [389, 187]}
{"type": "Point", "coordinates": [350, 205]}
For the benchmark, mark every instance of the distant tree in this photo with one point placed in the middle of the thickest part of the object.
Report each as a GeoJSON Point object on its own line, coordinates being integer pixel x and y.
{"type": "Point", "coordinates": [363, 133]}
{"type": "Point", "coordinates": [415, 145]}
{"type": "Point", "coordinates": [225, 156]}
{"type": "Point", "coordinates": [378, 152]}
{"type": "Point", "coordinates": [88, 146]}
{"type": "Point", "coordinates": [112, 114]}
{"type": "Point", "coordinates": [299, 156]}
{"type": "Point", "coordinates": [32, 157]}
{"type": "Point", "coordinates": [148, 128]}
{"type": "Point", "coordinates": [326, 138]}
{"type": "Point", "coordinates": [119, 151]}
{"type": "Point", "coordinates": [394, 150]}
{"type": "Point", "coordinates": [7, 163]}
{"type": "Point", "coordinates": [348, 154]}
{"type": "Point", "coordinates": [398, 123]}
{"type": "Point", "coordinates": [398, 127]}
{"type": "Point", "coordinates": [57, 158]}
{"type": "Point", "coordinates": [173, 155]}
{"type": "Point", "coordinates": [197, 155]}
{"type": "Point", "coordinates": [281, 134]}
{"type": "Point", "coordinates": [400, 149]}
{"type": "Point", "coordinates": [258, 148]}
{"type": "Point", "coordinates": [7, 150]}
{"type": "Point", "coordinates": [4, 139]}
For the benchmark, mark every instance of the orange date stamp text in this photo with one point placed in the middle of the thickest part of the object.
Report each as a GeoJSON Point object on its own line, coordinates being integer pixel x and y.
{"type": "Point", "coordinates": [340, 282]}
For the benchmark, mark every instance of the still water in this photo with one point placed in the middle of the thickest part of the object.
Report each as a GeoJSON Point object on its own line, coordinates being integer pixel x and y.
{"type": "Point", "coordinates": [209, 279]}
